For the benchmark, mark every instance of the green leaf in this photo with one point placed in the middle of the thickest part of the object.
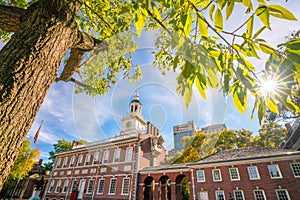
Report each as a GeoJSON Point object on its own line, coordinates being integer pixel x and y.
{"type": "Point", "coordinates": [272, 106]}
{"type": "Point", "coordinates": [266, 48]}
{"type": "Point", "coordinates": [239, 100]}
{"type": "Point", "coordinates": [201, 87]}
{"type": "Point", "coordinates": [263, 13]}
{"type": "Point", "coordinates": [261, 1]}
{"type": "Point", "coordinates": [229, 8]}
{"type": "Point", "coordinates": [140, 21]}
{"type": "Point", "coordinates": [218, 20]}
{"type": "Point", "coordinates": [187, 96]}
{"type": "Point", "coordinates": [211, 10]}
{"type": "Point", "coordinates": [250, 27]}
{"type": "Point", "coordinates": [202, 25]}
{"type": "Point", "coordinates": [259, 32]}
{"type": "Point", "coordinates": [248, 4]}
{"type": "Point", "coordinates": [280, 12]}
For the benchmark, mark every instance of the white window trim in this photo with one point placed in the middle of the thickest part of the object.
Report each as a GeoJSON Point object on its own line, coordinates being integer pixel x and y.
{"type": "Point", "coordinates": [117, 154]}
{"type": "Point", "coordinates": [65, 185]}
{"type": "Point", "coordinates": [104, 156]}
{"type": "Point", "coordinates": [95, 158]}
{"type": "Point", "coordinates": [286, 191]}
{"type": "Point", "coordinates": [57, 186]}
{"type": "Point", "coordinates": [263, 192]}
{"type": "Point", "coordinates": [58, 163]}
{"type": "Point", "coordinates": [280, 175]}
{"type": "Point", "coordinates": [238, 174]}
{"type": "Point", "coordinates": [51, 186]}
{"type": "Point", "coordinates": [203, 176]}
{"type": "Point", "coordinates": [80, 158]}
{"type": "Point", "coordinates": [99, 186]}
{"type": "Point", "coordinates": [240, 191]}
{"type": "Point", "coordinates": [258, 176]}
{"type": "Point", "coordinates": [72, 161]}
{"type": "Point", "coordinates": [87, 189]}
{"type": "Point", "coordinates": [65, 162]}
{"type": "Point", "coordinates": [220, 191]}
{"type": "Point", "coordinates": [110, 186]}
{"type": "Point", "coordinates": [214, 175]}
{"type": "Point", "coordinates": [123, 186]}
{"type": "Point", "coordinates": [293, 170]}
{"type": "Point", "coordinates": [127, 158]}
{"type": "Point", "coordinates": [87, 159]}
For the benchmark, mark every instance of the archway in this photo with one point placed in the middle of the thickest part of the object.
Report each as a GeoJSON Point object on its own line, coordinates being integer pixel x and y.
{"type": "Point", "coordinates": [148, 188]}
{"type": "Point", "coordinates": [182, 187]}
{"type": "Point", "coordinates": [165, 188]}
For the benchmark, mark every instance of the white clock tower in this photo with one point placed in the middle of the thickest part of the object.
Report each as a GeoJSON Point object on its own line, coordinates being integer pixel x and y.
{"type": "Point", "coordinates": [134, 121]}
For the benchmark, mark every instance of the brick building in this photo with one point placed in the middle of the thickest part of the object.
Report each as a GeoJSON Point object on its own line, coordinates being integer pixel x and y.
{"type": "Point", "coordinates": [108, 169]}
{"type": "Point", "coordinates": [249, 173]}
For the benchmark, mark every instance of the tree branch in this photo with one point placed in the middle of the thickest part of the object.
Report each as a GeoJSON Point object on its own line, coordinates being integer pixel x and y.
{"type": "Point", "coordinates": [81, 84]}
{"type": "Point", "coordinates": [10, 18]}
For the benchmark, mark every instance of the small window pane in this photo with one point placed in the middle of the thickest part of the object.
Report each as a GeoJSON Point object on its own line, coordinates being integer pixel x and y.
{"type": "Point", "coordinates": [101, 186]}
{"type": "Point", "coordinates": [125, 188]}
{"type": "Point", "coordinates": [234, 174]}
{"type": "Point", "coordinates": [238, 195]}
{"type": "Point", "coordinates": [259, 195]}
{"type": "Point", "coordinates": [253, 172]}
{"type": "Point", "coordinates": [112, 187]}
{"type": "Point", "coordinates": [90, 186]}
{"type": "Point", "coordinates": [220, 195]}
{"type": "Point", "coordinates": [274, 171]}
{"type": "Point", "coordinates": [200, 176]}
{"type": "Point", "coordinates": [216, 175]}
{"type": "Point", "coordinates": [282, 194]}
{"type": "Point", "coordinates": [296, 169]}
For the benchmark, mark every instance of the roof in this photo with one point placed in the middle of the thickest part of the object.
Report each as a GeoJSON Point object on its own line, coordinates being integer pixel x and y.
{"type": "Point", "coordinates": [164, 167]}
{"type": "Point", "coordinates": [245, 154]}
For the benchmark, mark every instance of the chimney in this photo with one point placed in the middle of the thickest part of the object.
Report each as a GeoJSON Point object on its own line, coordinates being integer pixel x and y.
{"type": "Point", "coordinates": [288, 126]}
{"type": "Point", "coordinates": [249, 144]}
{"type": "Point", "coordinates": [223, 148]}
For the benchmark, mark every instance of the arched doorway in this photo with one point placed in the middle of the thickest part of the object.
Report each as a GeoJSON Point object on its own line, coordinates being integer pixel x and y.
{"type": "Point", "coordinates": [148, 188]}
{"type": "Point", "coordinates": [182, 187]}
{"type": "Point", "coordinates": [165, 188]}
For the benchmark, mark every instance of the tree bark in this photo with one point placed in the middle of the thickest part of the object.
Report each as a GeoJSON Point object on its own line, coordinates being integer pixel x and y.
{"type": "Point", "coordinates": [29, 63]}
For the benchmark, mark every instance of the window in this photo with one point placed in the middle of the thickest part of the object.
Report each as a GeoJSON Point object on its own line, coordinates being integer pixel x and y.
{"type": "Point", "coordinates": [58, 162]}
{"type": "Point", "coordinates": [103, 169]}
{"type": "Point", "coordinates": [79, 162]}
{"type": "Point", "coordinates": [200, 176]}
{"type": "Point", "coordinates": [105, 157]}
{"type": "Point", "coordinates": [101, 186]}
{"type": "Point", "coordinates": [203, 195]}
{"type": "Point", "coordinates": [87, 159]}
{"type": "Point", "coordinates": [125, 186]}
{"type": "Point", "coordinates": [72, 161]}
{"type": "Point", "coordinates": [127, 168]}
{"type": "Point", "coordinates": [51, 186]}
{"type": "Point", "coordinates": [57, 186]}
{"type": "Point", "coordinates": [220, 195]}
{"type": "Point", "coordinates": [112, 186]}
{"type": "Point", "coordinates": [128, 156]}
{"type": "Point", "coordinates": [96, 158]}
{"type": "Point", "coordinates": [117, 155]}
{"type": "Point", "coordinates": [282, 194]}
{"type": "Point", "coordinates": [114, 169]}
{"type": "Point", "coordinates": [274, 171]}
{"type": "Point", "coordinates": [65, 162]}
{"type": "Point", "coordinates": [253, 172]}
{"type": "Point", "coordinates": [259, 195]}
{"type": "Point", "coordinates": [90, 186]}
{"type": "Point", "coordinates": [216, 175]}
{"type": "Point", "coordinates": [234, 174]}
{"type": "Point", "coordinates": [296, 169]}
{"type": "Point", "coordinates": [238, 194]}
{"type": "Point", "coordinates": [74, 185]}
{"type": "Point", "coordinates": [66, 184]}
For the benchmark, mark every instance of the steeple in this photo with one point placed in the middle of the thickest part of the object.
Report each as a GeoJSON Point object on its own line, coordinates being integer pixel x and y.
{"type": "Point", "coordinates": [135, 104]}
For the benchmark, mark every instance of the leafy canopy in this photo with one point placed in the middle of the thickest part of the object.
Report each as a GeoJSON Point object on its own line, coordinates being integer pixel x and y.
{"type": "Point", "coordinates": [192, 39]}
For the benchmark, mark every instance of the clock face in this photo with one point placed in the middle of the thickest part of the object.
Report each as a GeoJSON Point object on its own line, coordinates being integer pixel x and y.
{"type": "Point", "coordinates": [128, 124]}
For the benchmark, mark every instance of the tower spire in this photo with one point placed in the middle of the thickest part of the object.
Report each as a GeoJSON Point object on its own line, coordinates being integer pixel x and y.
{"type": "Point", "coordinates": [136, 96]}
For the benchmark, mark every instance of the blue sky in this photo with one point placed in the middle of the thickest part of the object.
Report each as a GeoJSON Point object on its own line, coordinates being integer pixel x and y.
{"type": "Point", "coordinates": [72, 116]}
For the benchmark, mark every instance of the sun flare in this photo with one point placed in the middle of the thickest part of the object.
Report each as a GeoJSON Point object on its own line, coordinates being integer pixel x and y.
{"type": "Point", "coordinates": [268, 87]}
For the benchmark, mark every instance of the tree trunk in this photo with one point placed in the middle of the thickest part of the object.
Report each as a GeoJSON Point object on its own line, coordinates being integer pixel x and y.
{"type": "Point", "coordinates": [29, 63]}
